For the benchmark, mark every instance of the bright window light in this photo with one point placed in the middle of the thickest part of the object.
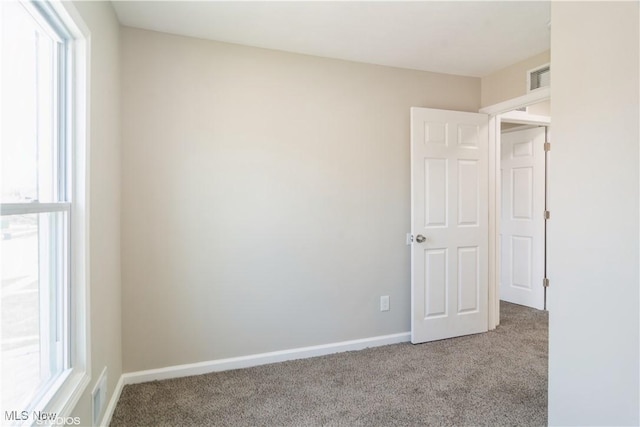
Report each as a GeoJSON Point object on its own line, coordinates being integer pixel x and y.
{"type": "Point", "coordinates": [39, 341]}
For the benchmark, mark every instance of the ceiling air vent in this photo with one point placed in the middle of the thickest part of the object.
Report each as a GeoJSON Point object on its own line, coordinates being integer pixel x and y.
{"type": "Point", "coordinates": [538, 78]}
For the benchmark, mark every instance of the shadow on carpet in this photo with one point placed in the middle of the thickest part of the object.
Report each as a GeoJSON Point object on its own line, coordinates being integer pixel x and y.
{"type": "Point", "coordinates": [498, 378]}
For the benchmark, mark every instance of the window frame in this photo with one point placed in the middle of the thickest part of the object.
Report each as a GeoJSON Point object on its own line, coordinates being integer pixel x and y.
{"type": "Point", "coordinates": [66, 389]}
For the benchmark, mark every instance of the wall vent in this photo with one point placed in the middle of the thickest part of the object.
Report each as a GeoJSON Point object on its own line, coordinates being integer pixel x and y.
{"type": "Point", "coordinates": [538, 78]}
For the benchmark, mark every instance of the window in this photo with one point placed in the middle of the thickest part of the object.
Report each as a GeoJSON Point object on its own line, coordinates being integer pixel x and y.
{"type": "Point", "coordinates": [42, 252]}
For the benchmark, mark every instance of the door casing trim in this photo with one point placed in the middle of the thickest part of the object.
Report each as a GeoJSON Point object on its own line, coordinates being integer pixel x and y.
{"type": "Point", "coordinates": [497, 113]}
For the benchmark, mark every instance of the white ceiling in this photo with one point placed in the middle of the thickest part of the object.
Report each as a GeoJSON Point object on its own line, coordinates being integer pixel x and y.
{"type": "Point", "coordinates": [456, 37]}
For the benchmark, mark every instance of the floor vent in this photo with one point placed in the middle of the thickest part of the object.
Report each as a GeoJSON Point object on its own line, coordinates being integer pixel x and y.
{"type": "Point", "coordinates": [99, 395]}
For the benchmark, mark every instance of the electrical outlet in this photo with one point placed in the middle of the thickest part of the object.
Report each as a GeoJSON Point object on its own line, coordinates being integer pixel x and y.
{"type": "Point", "coordinates": [384, 303]}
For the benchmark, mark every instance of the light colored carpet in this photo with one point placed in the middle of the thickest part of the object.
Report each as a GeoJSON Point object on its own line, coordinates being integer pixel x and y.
{"type": "Point", "coordinates": [493, 379]}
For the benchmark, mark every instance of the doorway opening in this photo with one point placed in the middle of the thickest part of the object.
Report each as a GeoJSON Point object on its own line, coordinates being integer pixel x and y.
{"type": "Point", "coordinates": [536, 105]}
{"type": "Point", "coordinates": [524, 152]}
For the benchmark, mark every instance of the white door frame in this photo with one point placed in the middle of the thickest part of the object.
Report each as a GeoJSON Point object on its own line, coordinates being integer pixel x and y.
{"type": "Point", "coordinates": [496, 114]}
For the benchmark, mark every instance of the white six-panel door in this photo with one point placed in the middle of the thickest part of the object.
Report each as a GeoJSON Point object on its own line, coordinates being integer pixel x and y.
{"type": "Point", "coordinates": [522, 220]}
{"type": "Point", "coordinates": [449, 198]}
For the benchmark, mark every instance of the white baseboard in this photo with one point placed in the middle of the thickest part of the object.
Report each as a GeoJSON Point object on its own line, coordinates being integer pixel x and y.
{"type": "Point", "coordinates": [244, 362]}
{"type": "Point", "coordinates": [108, 413]}
{"type": "Point", "coordinates": [260, 359]}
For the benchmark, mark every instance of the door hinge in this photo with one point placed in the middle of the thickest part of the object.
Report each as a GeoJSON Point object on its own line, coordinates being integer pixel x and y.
{"type": "Point", "coordinates": [545, 282]}
{"type": "Point", "coordinates": [547, 215]}
{"type": "Point", "coordinates": [547, 146]}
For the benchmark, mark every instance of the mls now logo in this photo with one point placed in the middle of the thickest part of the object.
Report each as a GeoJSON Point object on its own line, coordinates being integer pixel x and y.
{"type": "Point", "coordinates": [41, 418]}
{"type": "Point", "coordinates": [16, 416]}
{"type": "Point", "coordinates": [45, 417]}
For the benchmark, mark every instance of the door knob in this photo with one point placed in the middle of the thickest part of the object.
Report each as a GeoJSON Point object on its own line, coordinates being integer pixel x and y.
{"type": "Point", "coordinates": [420, 238]}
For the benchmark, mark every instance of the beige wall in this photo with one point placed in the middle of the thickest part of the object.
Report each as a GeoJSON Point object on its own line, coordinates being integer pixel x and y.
{"type": "Point", "coordinates": [593, 233]}
{"type": "Point", "coordinates": [265, 197]}
{"type": "Point", "coordinates": [105, 317]}
{"type": "Point", "coordinates": [510, 82]}
{"type": "Point", "coordinates": [540, 109]}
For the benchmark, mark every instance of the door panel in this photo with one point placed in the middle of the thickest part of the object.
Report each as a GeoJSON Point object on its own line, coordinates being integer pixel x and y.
{"type": "Point", "coordinates": [522, 225]}
{"type": "Point", "coordinates": [468, 189]}
{"type": "Point", "coordinates": [522, 193]}
{"type": "Point", "coordinates": [436, 180]}
{"type": "Point", "coordinates": [468, 279]}
{"type": "Point", "coordinates": [435, 283]}
{"type": "Point", "coordinates": [449, 196]}
{"type": "Point", "coordinates": [522, 254]}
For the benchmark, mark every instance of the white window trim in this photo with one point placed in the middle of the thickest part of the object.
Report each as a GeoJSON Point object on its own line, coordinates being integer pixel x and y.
{"type": "Point", "coordinates": [63, 397]}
